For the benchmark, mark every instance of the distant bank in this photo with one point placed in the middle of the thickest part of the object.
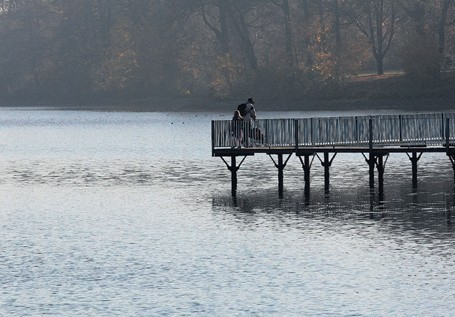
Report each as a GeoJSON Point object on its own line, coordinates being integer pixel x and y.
{"type": "Point", "coordinates": [191, 104]}
{"type": "Point", "coordinates": [393, 91]}
{"type": "Point", "coordinates": [385, 92]}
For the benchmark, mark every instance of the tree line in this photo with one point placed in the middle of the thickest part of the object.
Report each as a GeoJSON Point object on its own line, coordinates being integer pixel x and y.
{"type": "Point", "coordinates": [76, 49]}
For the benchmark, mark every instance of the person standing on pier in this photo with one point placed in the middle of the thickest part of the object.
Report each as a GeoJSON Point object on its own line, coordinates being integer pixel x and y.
{"type": "Point", "coordinates": [237, 129]}
{"type": "Point", "coordinates": [249, 118]}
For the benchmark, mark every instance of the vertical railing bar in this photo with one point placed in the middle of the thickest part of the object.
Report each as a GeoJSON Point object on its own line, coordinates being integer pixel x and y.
{"type": "Point", "coordinates": [357, 132]}
{"type": "Point", "coordinates": [311, 132]}
{"type": "Point", "coordinates": [296, 134]}
{"type": "Point", "coordinates": [442, 125]}
{"type": "Point", "coordinates": [370, 128]}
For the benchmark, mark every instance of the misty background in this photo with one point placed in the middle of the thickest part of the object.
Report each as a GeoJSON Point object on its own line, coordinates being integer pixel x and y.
{"type": "Point", "coordinates": [134, 52]}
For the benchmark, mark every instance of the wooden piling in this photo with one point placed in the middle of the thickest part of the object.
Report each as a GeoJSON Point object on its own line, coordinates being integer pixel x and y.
{"type": "Point", "coordinates": [307, 175]}
{"type": "Point", "coordinates": [233, 170]}
{"type": "Point", "coordinates": [280, 165]}
{"type": "Point", "coordinates": [280, 175]}
{"type": "Point", "coordinates": [306, 165]}
{"type": "Point", "coordinates": [381, 169]}
{"type": "Point", "coordinates": [326, 165]}
{"type": "Point", "coordinates": [414, 159]}
{"type": "Point", "coordinates": [371, 163]}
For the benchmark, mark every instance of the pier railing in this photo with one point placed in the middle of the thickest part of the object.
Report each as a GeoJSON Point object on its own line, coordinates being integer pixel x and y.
{"type": "Point", "coordinates": [429, 129]}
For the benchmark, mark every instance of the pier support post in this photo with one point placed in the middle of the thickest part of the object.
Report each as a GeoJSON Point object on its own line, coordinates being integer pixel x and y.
{"type": "Point", "coordinates": [280, 165]}
{"type": "Point", "coordinates": [233, 168]}
{"type": "Point", "coordinates": [307, 175]}
{"type": "Point", "coordinates": [306, 165]}
{"type": "Point", "coordinates": [371, 161]}
{"type": "Point", "coordinates": [381, 169]}
{"type": "Point", "coordinates": [376, 159]}
{"type": "Point", "coordinates": [327, 163]}
{"type": "Point", "coordinates": [414, 159]}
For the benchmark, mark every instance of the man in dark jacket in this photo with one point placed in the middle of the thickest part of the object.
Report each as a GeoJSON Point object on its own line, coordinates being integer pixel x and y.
{"type": "Point", "coordinates": [248, 119]}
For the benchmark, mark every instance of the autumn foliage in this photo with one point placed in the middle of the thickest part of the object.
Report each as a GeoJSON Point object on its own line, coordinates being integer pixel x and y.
{"type": "Point", "coordinates": [68, 50]}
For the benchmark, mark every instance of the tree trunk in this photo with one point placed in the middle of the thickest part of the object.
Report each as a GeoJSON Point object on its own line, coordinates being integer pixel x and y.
{"type": "Point", "coordinates": [224, 33]}
{"type": "Point", "coordinates": [442, 23]}
{"type": "Point", "coordinates": [241, 29]}
{"type": "Point", "coordinates": [224, 40]}
{"type": "Point", "coordinates": [288, 33]}
{"type": "Point", "coordinates": [380, 64]}
{"type": "Point", "coordinates": [379, 15]}
{"type": "Point", "coordinates": [337, 31]}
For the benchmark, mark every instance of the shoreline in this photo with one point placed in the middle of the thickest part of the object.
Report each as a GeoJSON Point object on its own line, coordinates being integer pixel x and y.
{"type": "Point", "coordinates": [192, 104]}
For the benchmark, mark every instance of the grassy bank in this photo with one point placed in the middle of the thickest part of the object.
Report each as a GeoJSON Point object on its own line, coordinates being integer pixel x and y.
{"type": "Point", "coordinates": [392, 91]}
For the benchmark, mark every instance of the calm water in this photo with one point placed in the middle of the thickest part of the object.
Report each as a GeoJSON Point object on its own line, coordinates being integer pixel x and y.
{"type": "Point", "coordinates": [127, 214]}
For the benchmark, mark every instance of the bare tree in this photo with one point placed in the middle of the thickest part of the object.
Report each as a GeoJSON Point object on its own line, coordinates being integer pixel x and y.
{"type": "Point", "coordinates": [284, 6]}
{"type": "Point", "coordinates": [237, 11]}
{"type": "Point", "coordinates": [446, 5]}
{"type": "Point", "coordinates": [416, 10]}
{"type": "Point", "coordinates": [376, 20]}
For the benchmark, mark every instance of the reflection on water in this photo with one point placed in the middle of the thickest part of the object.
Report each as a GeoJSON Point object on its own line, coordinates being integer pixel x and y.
{"type": "Point", "coordinates": [102, 173]}
{"type": "Point", "coordinates": [428, 213]}
{"type": "Point", "coordinates": [109, 214]}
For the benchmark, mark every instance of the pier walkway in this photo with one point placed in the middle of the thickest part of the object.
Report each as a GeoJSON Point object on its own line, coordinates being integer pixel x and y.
{"type": "Point", "coordinates": [374, 137]}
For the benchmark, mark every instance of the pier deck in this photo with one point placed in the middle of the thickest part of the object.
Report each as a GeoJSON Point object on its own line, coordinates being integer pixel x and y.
{"type": "Point", "coordinates": [375, 137]}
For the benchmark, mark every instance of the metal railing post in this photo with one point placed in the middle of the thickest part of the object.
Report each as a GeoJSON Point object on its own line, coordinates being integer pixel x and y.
{"type": "Point", "coordinates": [296, 133]}
{"type": "Point", "coordinates": [213, 138]}
{"type": "Point", "coordinates": [357, 129]}
{"type": "Point", "coordinates": [311, 132]}
{"type": "Point", "coordinates": [442, 125]}
{"type": "Point", "coordinates": [370, 130]}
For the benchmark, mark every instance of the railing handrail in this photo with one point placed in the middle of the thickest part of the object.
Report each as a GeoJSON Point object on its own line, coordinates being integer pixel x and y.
{"type": "Point", "coordinates": [392, 129]}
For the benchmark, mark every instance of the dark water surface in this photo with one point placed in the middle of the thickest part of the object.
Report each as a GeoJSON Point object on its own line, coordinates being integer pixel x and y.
{"type": "Point", "coordinates": [127, 214]}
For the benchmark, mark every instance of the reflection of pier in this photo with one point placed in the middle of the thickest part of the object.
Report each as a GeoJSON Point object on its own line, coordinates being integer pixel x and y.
{"type": "Point", "coordinates": [374, 137]}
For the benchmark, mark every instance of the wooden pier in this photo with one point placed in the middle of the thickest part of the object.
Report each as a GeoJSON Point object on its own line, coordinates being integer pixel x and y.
{"type": "Point", "coordinates": [374, 137]}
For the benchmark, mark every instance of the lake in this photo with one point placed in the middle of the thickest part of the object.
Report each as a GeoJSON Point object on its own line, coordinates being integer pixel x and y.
{"type": "Point", "coordinates": [127, 214]}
